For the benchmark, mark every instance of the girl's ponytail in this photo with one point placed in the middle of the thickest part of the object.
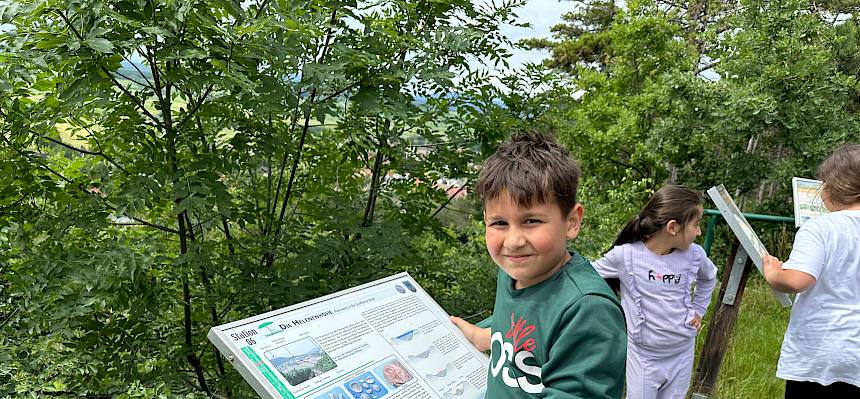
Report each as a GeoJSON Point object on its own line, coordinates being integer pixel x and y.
{"type": "Point", "coordinates": [676, 203]}
{"type": "Point", "coordinates": [631, 232]}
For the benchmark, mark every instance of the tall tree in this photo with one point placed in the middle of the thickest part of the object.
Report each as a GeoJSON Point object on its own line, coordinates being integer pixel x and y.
{"type": "Point", "coordinates": [699, 93]}
{"type": "Point", "coordinates": [177, 164]}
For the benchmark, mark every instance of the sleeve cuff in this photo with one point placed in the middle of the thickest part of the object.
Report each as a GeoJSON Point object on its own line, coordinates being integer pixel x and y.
{"type": "Point", "coordinates": [486, 323]}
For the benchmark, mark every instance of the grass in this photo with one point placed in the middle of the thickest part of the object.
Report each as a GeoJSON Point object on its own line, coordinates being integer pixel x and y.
{"type": "Point", "coordinates": [749, 366]}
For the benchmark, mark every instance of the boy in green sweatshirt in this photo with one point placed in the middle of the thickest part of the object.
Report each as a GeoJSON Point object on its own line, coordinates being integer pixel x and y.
{"type": "Point", "coordinates": [557, 330]}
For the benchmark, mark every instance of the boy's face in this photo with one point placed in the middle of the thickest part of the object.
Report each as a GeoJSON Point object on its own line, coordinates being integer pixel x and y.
{"type": "Point", "coordinates": [529, 244]}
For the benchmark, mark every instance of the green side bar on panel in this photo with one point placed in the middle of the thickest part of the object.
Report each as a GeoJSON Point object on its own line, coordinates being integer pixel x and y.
{"type": "Point", "coordinates": [251, 354]}
{"type": "Point", "coordinates": [268, 373]}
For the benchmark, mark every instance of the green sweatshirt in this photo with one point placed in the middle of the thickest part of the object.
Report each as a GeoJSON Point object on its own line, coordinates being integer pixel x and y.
{"type": "Point", "coordinates": [561, 338]}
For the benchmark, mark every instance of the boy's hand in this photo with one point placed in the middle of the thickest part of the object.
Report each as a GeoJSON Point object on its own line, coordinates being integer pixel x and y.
{"type": "Point", "coordinates": [479, 337]}
{"type": "Point", "coordinates": [696, 322]}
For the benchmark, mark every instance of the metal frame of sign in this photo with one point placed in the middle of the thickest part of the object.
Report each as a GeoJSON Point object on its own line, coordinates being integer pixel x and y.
{"type": "Point", "coordinates": [743, 231]}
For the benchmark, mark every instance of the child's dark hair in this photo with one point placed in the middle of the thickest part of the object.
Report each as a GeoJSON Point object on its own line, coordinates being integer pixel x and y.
{"type": "Point", "coordinates": [840, 173]}
{"type": "Point", "coordinates": [676, 203]}
{"type": "Point", "coordinates": [532, 168]}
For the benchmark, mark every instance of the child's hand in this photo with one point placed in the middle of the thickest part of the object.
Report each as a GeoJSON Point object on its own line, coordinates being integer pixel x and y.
{"type": "Point", "coordinates": [479, 337]}
{"type": "Point", "coordinates": [696, 322]}
{"type": "Point", "coordinates": [788, 280]}
{"type": "Point", "coordinates": [771, 265]}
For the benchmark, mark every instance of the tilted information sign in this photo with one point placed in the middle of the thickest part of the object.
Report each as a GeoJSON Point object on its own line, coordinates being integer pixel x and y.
{"type": "Point", "coordinates": [807, 199]}
{"type": "Point", "coordinates": [743, 231]}
{"type": "Point", "coordinates": [384, 339]}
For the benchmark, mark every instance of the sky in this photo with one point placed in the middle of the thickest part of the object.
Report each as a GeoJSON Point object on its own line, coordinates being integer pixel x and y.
{"type": "Point", "coordinates": [542, 14]}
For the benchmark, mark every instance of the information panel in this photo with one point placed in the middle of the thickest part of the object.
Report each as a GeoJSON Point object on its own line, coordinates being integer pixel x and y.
{"type": "Point", "coordinates": [743, 231]}
{"type": "Point", "coordinates": [807, 199]}
{"type": "Point", "coordinates": [385, 339]}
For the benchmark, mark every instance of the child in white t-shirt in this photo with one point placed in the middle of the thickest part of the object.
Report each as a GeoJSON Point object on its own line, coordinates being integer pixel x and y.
{"type": "Point", "coordinates": [820, 354]}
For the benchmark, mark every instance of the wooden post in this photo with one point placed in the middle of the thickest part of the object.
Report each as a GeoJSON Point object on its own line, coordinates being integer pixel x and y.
{"type": "Point", "coordinates": [723, 322]}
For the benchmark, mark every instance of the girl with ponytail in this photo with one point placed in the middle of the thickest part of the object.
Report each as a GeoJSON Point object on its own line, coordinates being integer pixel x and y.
{"type": "Point", "coordinates": [658, 265]}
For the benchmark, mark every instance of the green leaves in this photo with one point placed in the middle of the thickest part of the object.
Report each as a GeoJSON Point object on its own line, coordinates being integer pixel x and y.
{"type": "Point", "coordinates": [747, 95]}
{"type": "Point", "coordinates": [10, 10]}
{"type": "Point", "coordinates": [256, 157]}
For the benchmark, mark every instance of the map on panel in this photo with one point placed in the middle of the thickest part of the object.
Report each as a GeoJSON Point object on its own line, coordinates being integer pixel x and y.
{"type": "Point", "coordinates": [807, 199]}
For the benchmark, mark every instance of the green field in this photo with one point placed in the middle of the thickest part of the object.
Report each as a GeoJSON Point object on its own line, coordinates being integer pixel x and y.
{"type": "Point", "coordinates": [749, 366]}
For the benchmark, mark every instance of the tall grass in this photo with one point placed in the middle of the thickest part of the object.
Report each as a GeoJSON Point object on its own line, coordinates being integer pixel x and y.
{"type": "Point", "coordinates": [749, 366]}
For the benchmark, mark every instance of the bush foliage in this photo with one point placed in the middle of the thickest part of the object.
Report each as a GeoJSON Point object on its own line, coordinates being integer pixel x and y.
{"type": "Point", "coordinates": [173, 165]}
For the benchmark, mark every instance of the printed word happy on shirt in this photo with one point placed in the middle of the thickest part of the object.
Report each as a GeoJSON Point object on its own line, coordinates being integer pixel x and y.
{"type": "Point", "coordinates": [664, 278]}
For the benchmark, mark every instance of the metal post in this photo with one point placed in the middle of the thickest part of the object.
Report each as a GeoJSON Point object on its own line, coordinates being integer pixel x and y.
{"type": "Point", "coordinates": [725, 314]}
{"type": "Point", "coordinates": [731, 290]}
{"type": "Point", "coordinates": [722, 323]}
{"type": "Point", "coordinates": [709, 234]}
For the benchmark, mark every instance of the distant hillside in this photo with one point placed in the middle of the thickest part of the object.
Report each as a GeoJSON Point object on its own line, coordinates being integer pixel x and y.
{"type": "Point", "coordinates": [130, 71]}
{"type": "Point", "coordinates": [140, 72]}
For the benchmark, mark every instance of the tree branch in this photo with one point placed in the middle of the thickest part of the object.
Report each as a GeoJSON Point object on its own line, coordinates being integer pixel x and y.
{"type": "Point", "coordinates": [129, 79]}
{"type": "Point", "coordinates": [274, 200]}
{"type": "Point", "coordinates": [156, 77]}
{"type": "Point", "coordinates": [116, 83]}
{"type": "Point", "coordinates": [337, 93]}
{"type": "Point", "coordinates": [191, 356]}
{"type": "Point", "coordinates": [9, 317]}
{"type": "Point", "coordinates": [376, 174]}
{"type": "Point", "coordinates": [4, 209]}
{"type": "Point", "coordinates": [705, 67]}
{"type": "Point", "coordinates": [628, 166]}
{"type": "Point", "coordinates": [145, 223]}
{"type": "Point", "coordinates": [75, 395]}
{"type": "Point", "coordinates": [69, 146]}
{"type": "Point", "coordinates": [199, 388]}
{"type": "Point", "coordinates": [192, 111]}
{"type": "Point", "coordinates": [83, 151]}
{"type": "Point", "coordinates": [143, 75]}
{"type": "Point", "coordinates": [80, 150]}
{"type": "Point", "coordinates": [104, 201]}
{"type": "Point", "coordinates": [99, 145]}
{"type": "Point", "coordinates": [269, 258]}
{"type": "Point", "coordinates": [432, 145]}
{"type": "Point", "coordinates": [450, 198]}
{"type": "Point", "coordinates": [196, 106]}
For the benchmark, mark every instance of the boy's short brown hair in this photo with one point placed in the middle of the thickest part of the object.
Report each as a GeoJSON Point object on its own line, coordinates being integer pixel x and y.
{"type": "Point", "coordinates": [532, 168]}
